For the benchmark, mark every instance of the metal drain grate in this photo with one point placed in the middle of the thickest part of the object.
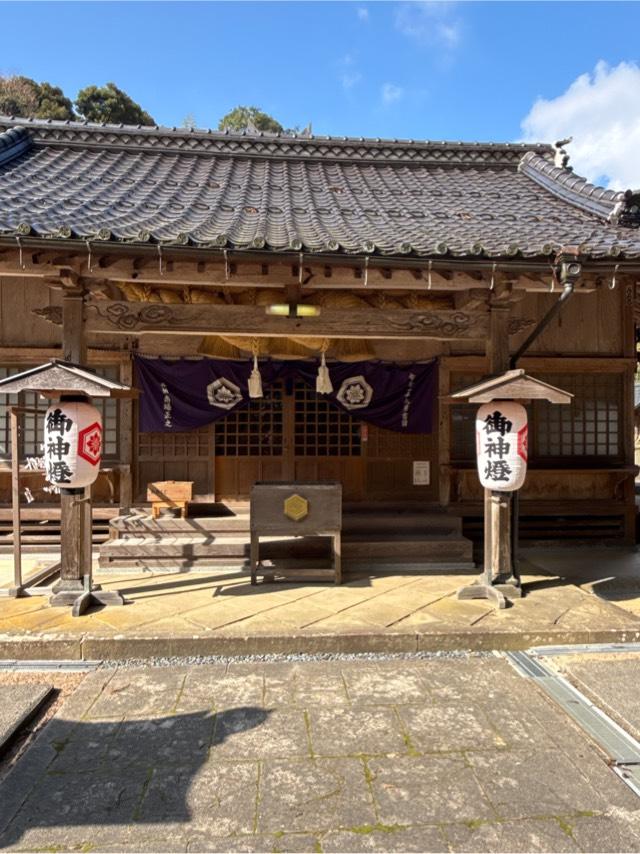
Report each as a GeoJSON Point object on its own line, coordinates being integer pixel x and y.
{"type": "Point", "coordinates": [622, 750]}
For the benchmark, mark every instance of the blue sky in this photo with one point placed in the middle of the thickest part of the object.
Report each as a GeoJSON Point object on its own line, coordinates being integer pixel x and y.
{"type": "Point", "coordinates": [421, 70]}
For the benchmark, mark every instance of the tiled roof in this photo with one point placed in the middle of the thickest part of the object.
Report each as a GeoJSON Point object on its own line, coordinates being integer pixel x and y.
{"type": "Point", "coordinates": [315, 194]}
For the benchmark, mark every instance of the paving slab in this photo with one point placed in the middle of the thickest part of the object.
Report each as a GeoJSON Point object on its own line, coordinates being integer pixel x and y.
{"type": "Point", "coordinates": [380, 838]}
{"type": "Point", "coordinates": [612, 681]}
{"type": "Point", "coordinates": [314, 795]}
{"type": "Point", "coordinates": [617, 831]}
{"type": "Point", "coordinates": [521, 836]}
{"type": "Point", "coordinates": [343, 732]}
{"type": "Point", "coordinates": [17, 704]}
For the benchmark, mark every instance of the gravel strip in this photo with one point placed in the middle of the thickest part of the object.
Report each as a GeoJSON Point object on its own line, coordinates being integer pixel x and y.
{"type": "Point", "coordinates": [296, 657]}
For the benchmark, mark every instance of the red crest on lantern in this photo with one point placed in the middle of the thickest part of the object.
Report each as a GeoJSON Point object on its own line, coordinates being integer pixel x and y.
{"type": "Point", "coordinates": [90, 443]}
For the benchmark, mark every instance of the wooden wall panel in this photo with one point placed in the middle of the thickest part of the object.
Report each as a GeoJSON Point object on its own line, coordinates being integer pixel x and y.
{"type": "Point", "coordinates": [588, 324]}
{"type": "Point", "coordinates": [18, 326]}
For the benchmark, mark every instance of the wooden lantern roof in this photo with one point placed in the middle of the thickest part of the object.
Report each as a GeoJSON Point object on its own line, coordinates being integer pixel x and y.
{"type": "Point", "coordinates": [56, 377]}
{"type": "Point", "coordinates": [512, 385]}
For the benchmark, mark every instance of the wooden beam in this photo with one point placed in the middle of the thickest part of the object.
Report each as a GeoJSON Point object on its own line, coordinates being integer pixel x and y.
{"type": "Point", "coordinates": [241, 272]}
{"type": "Point", "coordinates": [38, 355]}
{"type": "Point", "coordinates": [472, 299]}
{"type": "Point", "coordinates": [138, 318]}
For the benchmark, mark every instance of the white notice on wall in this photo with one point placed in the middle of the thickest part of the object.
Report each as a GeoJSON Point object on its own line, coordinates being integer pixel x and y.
{"type": "Point", "coordinates": [421, 473]}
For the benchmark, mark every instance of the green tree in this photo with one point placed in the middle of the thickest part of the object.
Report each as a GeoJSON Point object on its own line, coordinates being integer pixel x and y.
{"type": "Point", "coordinates": [110, 105]}
{"type": "Point", "coordinates": [53, 104]}
{"type": "Point", "coordinates": [249, 118]}
{"type": "Point", "coordinates": [22, 96]}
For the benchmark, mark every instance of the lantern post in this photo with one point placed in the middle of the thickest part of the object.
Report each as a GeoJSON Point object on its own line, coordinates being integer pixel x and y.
{"type": "Point", "coordinates": [502, 454]}
{"type": "Point", "coordinates": [72, 454]}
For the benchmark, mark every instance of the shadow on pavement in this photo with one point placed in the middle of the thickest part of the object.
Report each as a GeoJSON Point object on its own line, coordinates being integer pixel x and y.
{"type": "Point", "coordinates": [115, 772]}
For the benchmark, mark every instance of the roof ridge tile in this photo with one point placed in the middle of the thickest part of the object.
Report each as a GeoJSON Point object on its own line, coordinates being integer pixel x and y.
{"type": "Point", "coordinates": [569, 187]}
{"type": "Point", "coordinates": [294, 146]}
{"type": "Point", "coordinates": [13, 142]}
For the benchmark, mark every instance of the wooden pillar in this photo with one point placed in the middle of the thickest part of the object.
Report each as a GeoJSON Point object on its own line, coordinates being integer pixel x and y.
{"type": "Point", "coordinates": [15, 500]}
{"type": "Point", "coordinates": [125, 441]}
{"type": "Point", "coordinates": [497, 505]}
{"type": "Point", "coordinates": [73, 532]}
{"type": "Point", "coordinates": [497, 582]}
{"type": "Point", "coordinates": [444, 438]}
{"type": "Point", "coordinates": [628, 291]}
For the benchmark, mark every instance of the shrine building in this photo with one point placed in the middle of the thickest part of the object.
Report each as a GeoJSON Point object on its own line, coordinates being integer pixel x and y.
{"type": "Point", "coordinates": [303, 308]}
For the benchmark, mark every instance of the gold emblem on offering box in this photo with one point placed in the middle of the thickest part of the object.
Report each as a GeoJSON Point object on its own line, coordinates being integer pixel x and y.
{"type": "Point", "coordinates": [296, 507]}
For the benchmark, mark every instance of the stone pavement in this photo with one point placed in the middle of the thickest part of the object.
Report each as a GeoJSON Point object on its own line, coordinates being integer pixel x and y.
{"type": "Point", "coordinates": [221, 613]}
{"type": "Point", "coordinates": [347, 755]}
{"type": "Point", "coordinates": [17, 704]}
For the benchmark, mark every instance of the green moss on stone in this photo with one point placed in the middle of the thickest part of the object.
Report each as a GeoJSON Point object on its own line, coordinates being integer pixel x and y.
{"type": "Point", "coordinates": [373, 828]}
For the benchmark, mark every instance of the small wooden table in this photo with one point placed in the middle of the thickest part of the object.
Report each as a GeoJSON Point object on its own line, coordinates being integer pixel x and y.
{"type": "Point", "coordinates": [296, 509]}
{"type": "Point", "coordinates": [169, 494]}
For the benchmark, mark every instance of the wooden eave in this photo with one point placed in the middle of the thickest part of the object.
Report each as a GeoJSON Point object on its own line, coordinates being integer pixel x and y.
{"type": "Point", "coordinates": [167, 266]}
{"type": "Point", "coordinates": [511, 385]}
{"type": "Point", "coordinates": [58, 377]}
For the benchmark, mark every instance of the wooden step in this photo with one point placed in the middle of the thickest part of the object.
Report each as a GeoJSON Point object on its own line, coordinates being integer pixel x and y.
{"type": "Point", "coordinates": [51, 512]}
{"type": "Point", "coordinates": [43, 535]}
{"type": "Point", "coordinates": [357, 523]}
{"type": "Point", "coordinates": [240, 566]}
{"type": "Point", "coordinates": [399, 548]}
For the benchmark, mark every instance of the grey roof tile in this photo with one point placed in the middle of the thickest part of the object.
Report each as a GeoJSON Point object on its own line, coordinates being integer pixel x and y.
{"type": "Point", "coordinates": [316, 194]}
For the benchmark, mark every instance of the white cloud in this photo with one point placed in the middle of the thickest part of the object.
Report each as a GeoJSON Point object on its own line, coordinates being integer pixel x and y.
{"type": "Point", "coordinates": [350, 79]}
{"type": "Point", "coordinates": [602, 112]}
{"type": "Point", "coordinates": [363, 13]}
{"type": "Point", "coordinates": [348, 73]}
{"type": "Point", "coordinates": [391, 93]}
{"type": "Point", "coordinates": [430, 22]}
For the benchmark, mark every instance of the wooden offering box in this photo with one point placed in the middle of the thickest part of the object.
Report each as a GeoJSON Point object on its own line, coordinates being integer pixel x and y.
{"type": "Point", "coordinates": [169, 494]}
{"type": "Point", "coordinates": [296, 509]}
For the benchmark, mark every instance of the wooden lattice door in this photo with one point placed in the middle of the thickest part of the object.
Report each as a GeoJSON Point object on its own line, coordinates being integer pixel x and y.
{"type": "Point", "coordinates": [327, 442]}
{"type": "Point", "coordinates": [290, 434]}
{"type": "Point", "coordinates": [252, 444]}
{"type": "Point", "coordinates": [175, 456]}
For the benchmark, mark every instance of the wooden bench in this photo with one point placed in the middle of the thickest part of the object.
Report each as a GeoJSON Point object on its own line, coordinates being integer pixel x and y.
{"type": "Point", "coordinates": [169, 494]}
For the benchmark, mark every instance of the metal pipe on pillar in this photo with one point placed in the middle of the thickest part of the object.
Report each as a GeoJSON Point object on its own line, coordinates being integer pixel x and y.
{"type": "Point", "coordinates": [500, 580]}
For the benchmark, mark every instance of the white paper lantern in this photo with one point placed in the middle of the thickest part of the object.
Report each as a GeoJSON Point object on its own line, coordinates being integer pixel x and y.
{"type": "Point", "coordinates": [501, 445]}
{"type": "Point", "coordinates": [72, 444]}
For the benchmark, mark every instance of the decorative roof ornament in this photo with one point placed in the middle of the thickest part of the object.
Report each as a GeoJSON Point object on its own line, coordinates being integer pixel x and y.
{"type": "Point", "coordinates": [626, 211]}
{"type": "Point", "coordinates": [561, 158]}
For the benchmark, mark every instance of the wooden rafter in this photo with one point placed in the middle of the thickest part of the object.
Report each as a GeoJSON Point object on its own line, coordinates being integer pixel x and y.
{"type": "Point", "coordinates": [62, 270]}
